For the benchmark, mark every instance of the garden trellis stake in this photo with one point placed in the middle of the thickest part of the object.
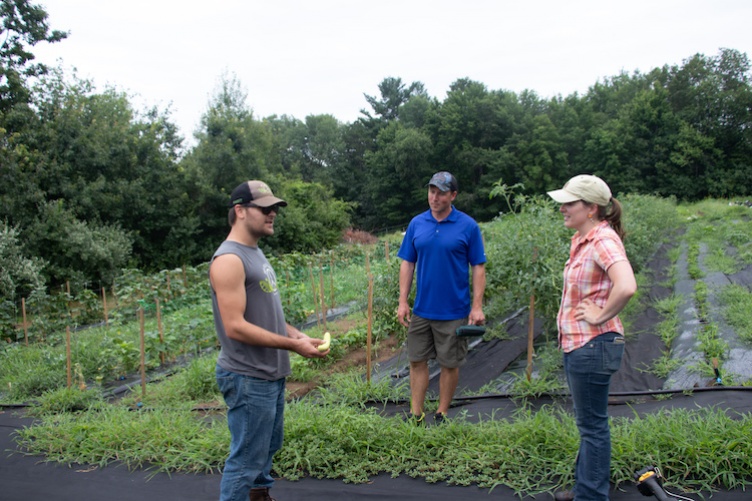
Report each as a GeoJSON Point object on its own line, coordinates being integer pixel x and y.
{"type": "Point", "coordinates": [143, 352]}
{"type": "Point", "coordinates": [104, 304]}
{"type": "Point", "coordinates": [315, 294]}
{"type": "Point", "coordinates": [161, 332]}
{"type": "Point", "coordinates": [25, 326]}
{"type": "Point", "coordinates": [331, 281]}
{"type": "Point", "coordinates": [321, 294]}
{"type": "Point", "coordinates": [531, 322]}
{"type": "Point", "coordinates": [68, 355]}
{"type": "Point", "coordinates": [370, 325]}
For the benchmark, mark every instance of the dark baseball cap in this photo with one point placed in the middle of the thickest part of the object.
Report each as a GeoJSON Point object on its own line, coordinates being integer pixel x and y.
{"type": "Point", "coordinates": [257, 192]}
{"type": "Point", "coordinates": [444, 181]}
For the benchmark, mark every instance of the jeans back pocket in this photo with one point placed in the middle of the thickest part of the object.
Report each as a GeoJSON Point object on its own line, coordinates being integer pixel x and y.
{"type": "Point", "coordinates": [613, 351]}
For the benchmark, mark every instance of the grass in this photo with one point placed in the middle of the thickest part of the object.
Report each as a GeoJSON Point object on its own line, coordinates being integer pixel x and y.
{"type": "Point", "coordinates": [171, 438]}
{"type": "Point", "coordinates": [665, 365]}
{"type": "Point", "coordinates": [693, 266]}
{"type": "Point", "coordinates": [667, 330]}
{"type": "Point", "coordinates": [737, 310]}
{"type": "Point", "coordinates": [335, 436]}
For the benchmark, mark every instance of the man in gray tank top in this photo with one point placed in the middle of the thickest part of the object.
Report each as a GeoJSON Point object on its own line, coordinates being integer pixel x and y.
{"type": "Point", "coordinates": [255, 340]}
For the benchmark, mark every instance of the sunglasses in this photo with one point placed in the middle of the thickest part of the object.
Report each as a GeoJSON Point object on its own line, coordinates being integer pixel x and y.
{"type": "Point", "coordinates": [266, 210]}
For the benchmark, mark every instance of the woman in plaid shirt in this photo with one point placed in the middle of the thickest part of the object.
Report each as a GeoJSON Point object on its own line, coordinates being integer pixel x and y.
{"type": "Point", "coordinates": [598, 283]}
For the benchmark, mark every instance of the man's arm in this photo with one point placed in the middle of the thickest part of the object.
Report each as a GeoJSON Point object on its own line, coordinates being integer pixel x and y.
{"type": "Point", "coordinates": [405, 283]}
{"type": "Point", "coordinates": [479, 289]}
{"type": "Point", "coordinates": [294, 333]}
{"type": "Point", "coordinates": [227, 279]}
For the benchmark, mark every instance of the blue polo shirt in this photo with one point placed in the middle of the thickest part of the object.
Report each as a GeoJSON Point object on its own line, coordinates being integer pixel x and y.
{"type": "Point", "coordinates": [442, 251]}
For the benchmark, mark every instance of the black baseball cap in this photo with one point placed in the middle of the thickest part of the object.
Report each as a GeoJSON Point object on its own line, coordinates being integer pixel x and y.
{"type": "Point", "coordinates": [257, 192]}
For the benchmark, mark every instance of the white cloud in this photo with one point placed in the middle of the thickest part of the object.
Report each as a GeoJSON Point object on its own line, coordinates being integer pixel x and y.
{"type": "Point", "coordinates": [321, 56]}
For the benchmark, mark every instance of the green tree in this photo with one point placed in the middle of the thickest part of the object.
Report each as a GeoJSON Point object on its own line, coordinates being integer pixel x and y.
{"type": "Point", "coordinates": [324, 146]}
{"type": "Point", "coordinates": [572, 118]}
{"type": "Point", "coordinates": [470, 131]}
{"type": "Point", "coordinates": [114, 166]}
{"type": "Point", "coordinates": [312, 221]}
{"type": "Point", "coordinates": [113, 170]}
{"type": "Point", "coordinates": [713, 96]}
{"type": "Point", "coordinates": [397, 172]}
{"type": "Point", "coordinates": [394, 94]}
{"type": "Point", "coordinates": [289, 137]}
{"type": "Point", "coordinates": [81, 252]}
{"type": "Point", "coordinates": [353, 179]}
{"type": "Point", "coordinates": [350, 175]}
{"type": "Point", "coordinates": [538, 153]}
{"type": "Point", "coordinates": [232, 147]}
{"type": "Point", "coordinates": [23, 25]}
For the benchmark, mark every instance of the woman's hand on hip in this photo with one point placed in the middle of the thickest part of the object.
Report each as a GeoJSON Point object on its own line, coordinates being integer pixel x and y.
{"type": "Point", "coordinates": [588, 311]}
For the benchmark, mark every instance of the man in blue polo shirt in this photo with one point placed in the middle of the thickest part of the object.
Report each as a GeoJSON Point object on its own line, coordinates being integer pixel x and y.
{"type": "Point", "coordinates": [441, 243]}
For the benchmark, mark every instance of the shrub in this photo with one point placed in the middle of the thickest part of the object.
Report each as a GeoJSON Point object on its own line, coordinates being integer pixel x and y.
{"type": "Point", "coordinates": [19, 275]}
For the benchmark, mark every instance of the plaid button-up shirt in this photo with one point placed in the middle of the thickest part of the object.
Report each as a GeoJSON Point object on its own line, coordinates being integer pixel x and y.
{"type": "Point", "coordinates": [586, 277]}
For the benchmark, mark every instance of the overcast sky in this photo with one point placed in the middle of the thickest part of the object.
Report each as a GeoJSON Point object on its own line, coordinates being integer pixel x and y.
{"type": "Point", "coordinates": [320, 56]}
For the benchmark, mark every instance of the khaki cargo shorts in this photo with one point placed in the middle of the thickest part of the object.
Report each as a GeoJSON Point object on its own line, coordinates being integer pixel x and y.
{"type": "Point", "coordinates": [436, 339]}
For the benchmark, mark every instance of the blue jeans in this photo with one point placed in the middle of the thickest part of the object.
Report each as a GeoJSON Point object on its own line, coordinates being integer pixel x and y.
{"type": "Point", "coordinates": [255, 417]}
{"type": "Point", "coordinates": [589, 371]}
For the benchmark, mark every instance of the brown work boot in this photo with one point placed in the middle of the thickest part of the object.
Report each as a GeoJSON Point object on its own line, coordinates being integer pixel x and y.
{"type": "Point", "coordinates": [261, 494]}
{"type": "Point", "coordinates": [564, 496]}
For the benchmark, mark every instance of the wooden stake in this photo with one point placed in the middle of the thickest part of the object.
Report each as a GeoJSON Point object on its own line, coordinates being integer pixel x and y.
{"type": "Point", "coordinates": [68, 355]}
{"type": "Point", "coordinates": [185, 278]}
{"type": "Point", "coordinates": [287, 285]}
{"type": "Point", "coordinates": [386, 250]}
{"type": "Point", "coordinates": [104, 304]}
{"type": "Point", "coordinates": [331, 274]}
{"type": "Point", "coordinates": [143, 352]}
{"type": "Point", "coordinates": [370, 326]}
{"type": "Point", "coordinates": [321, 292]}
{"type": "Point", "coordinates": [161, 332]}
{"type": "Point", "coordinates": [25, 327]}
{"type": "Point", "coordinates": [315, 295]}
{"type": "Point", "coordinates": [531, 324]}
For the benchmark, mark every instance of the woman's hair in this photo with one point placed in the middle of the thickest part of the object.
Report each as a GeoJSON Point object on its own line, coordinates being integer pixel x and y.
{"type": "Point", "coordinates": [612, 214]}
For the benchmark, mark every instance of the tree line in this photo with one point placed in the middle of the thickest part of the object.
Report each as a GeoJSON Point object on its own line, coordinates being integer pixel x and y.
{"type": "Point", "coordinates": [89, 185]}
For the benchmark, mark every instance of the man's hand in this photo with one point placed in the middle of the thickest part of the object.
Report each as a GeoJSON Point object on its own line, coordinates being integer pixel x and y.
{"type": "Point", "coordinates": [307, 347]}
{"type": "Point", "coordinates": [403, 314]}
{"type": "Point", "coordinates": [476, 317]}
{"type": "Point", "coordinates": [407, 269]}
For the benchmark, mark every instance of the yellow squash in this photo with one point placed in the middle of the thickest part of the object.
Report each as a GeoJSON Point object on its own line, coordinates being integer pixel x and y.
{"type": "Point", "coordinates": [327, 340]}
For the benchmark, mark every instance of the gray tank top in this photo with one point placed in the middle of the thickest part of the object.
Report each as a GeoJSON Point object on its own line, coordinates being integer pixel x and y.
{"type": "Point", "coordinates": [263, 308]}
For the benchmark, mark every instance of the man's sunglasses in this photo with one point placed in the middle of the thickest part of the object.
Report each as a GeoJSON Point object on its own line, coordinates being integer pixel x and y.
{"type": "Point", "coordinates": [266, 210]}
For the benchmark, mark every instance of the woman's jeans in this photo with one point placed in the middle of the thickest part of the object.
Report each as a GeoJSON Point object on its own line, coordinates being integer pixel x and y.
{"type": "Point", "coordinates": [589, 371]}
{"type": "Point", "coordinates": [255, 417]}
